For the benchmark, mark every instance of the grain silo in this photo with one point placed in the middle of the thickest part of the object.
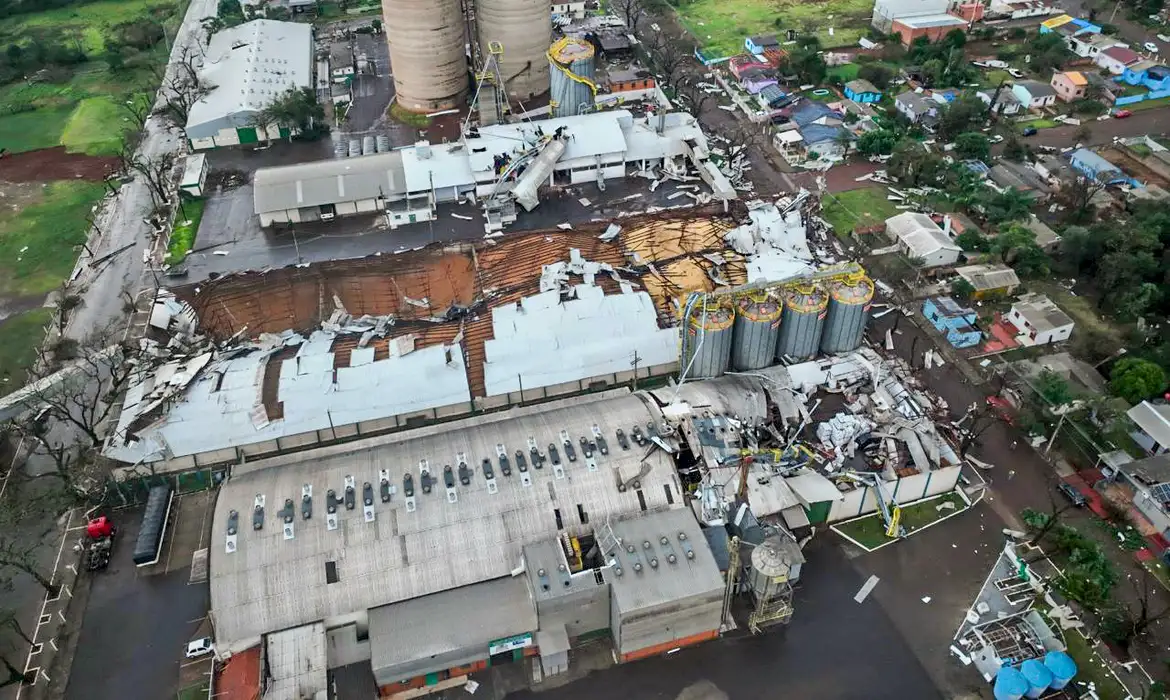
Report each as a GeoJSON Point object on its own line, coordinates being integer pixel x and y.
{"type": "Point", "coordinates": [802, 321]}
{"type": "Point", "coordinates": [523, 28]}
{"type": "Point", "coordinates": [848, 312]}
{"type": "Point", "coordinates": [572, 64]}
{"type": "Point", "coordinates": [426, 39]}
{"type": "Point", "coordinates": [756, 330]}
{"type": "Point", "coordinates": [709, 334]}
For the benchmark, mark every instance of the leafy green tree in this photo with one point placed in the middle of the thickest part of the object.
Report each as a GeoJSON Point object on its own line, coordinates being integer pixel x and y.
{"type": "Point", "coordinates": [878, 142]}
{"type": "Point", "coordinates": [1053, 389]}
{"type": "Point", "coordinates": [297, 110]}
{"type": "Point", "coordinates": [806, 62]}
{"type": "Point", "coordinates": [1135, 379]}
{"type": "Point", "coordinates": [912, 164]}
{"type": "Point", "coordinates": [877, 74]}
{"type": "Point", "coordinates": [962, 289]}
{"type": "Point", "coordinates": [973, 241]}
{"type": "Point", "coordinates": [972, 144]}
{"type": "Point", "coordinates": [1014, 148]}
{"type": "Point", "coordinates": [965, 113]}
{"type": "Point", "coordinates": [1009, 205]}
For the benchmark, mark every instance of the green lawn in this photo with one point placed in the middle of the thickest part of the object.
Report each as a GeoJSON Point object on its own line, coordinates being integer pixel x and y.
{"type": "Point", "coordinates": [992, 78]}
{"type": "Point", "coordinates": [844, 72]}
{"type": "Point", "coordinates": [38, 244]}
{"type": "Point", "coordinates": [96, 127]}
{"type": "Point", "coordinates": [1089, 668]}
{"type": "Point", "coordinates": [183, 235]}
{"type": "Point", "coordinates": [19, 337]}
{"type": "Point", "coordinates": [92, 20]}
{"type": "Point", "coordinates": [29, 131]}
{"type": "Point", "coordinates": [1147, 104]}
{"type": "Point", "coordinates": [1080, 308]}
{"type": "Point", "coordinates": [870, 531]}
{"type": "Point", "coordinates": [198, 691]}
{"type": "Point", "coordinates": [863, 207]}
{"type": "Point", "coordinates": [721, 25]}
{"type": "Point", "coordinates": [1039, 124]}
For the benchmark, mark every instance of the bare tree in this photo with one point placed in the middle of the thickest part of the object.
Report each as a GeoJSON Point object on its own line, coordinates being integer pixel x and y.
{"type": "Point", "coordinates": [669, 54]}
{"type": "Point", "coordinates": [688, 89]}
{"type": "Point", "coordinates": [19, 555]}
{"type": "Point", "coordinates": [155, 171]}
{"type": "Point", "coordinates": [1077, 197]}
{"type": "Point", "coordinates": [631, 12]}
{"type": "Point", "coordinates": [74, 465]}
{"type": "Point", "coordinates": [182, 88]}
{"type": "Point", "coordinates": [1123, 624]}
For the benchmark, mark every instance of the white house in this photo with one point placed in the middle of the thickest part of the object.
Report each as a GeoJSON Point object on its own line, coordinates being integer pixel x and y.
{"type": "Point", "coordinates": [916, 106]}
{"type": "Point", "coordinates": [1034, 94]}
{"type": "Point", "coordinates": [1039, 321]}
{"type": "Point", "coordinates": [886, 11]}
{"type": "Point", "coordinates": [1116, 59]}
{"type": "Point", "coordinates": [918, 237]}
{"type": "Point", "coordinates": [1153, 426]}
{"type": "Point", "coordinates": [1021, 9]}
{"type": "Point", "coordinates": [576, 10]}
{"type": "Point", "coordinates": [1006, 103]}
{"type": "Point", "coordinates": [1091, 45]}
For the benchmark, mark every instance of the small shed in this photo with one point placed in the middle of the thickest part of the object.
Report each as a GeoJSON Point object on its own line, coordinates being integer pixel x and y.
{"type": "Point", "coordinates": [955, 322]}
{"type": "Point", "coordinates": [989, 280]}
{"type": "Point", "coordinates": [917, 236]}
{"type": "Point", "coordinates": [1039, 321]}
{"type": "Point", "coordinates": [194, 175]}
{"type": "Point", "coordinates": [861, 90]}
{"type": "Point", "coordinates": [761, 43]}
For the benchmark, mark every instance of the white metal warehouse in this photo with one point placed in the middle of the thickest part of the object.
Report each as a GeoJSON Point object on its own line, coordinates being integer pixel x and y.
{"type": "Point", "coordinates": [247, 67]}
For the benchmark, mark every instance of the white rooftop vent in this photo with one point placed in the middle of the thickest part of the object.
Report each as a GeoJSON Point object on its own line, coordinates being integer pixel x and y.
{"type": "Point", "coordinates": [422, 149]}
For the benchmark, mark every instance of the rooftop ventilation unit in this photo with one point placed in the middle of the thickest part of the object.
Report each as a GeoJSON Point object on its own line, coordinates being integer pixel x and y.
{"type": "Point", "coordinates": [287, 514]}
{"type": "Point", "coordinates": [350, 492]}
{"type": "Point", "coordinates": [258, 512]}
{"type": "Point", "coordinates": [623, 442]}
{"type": "Point", "coordinates": [408, 491]}
{"type": "Point", "coordinates": [306, 501]}
{"type": "Point", "coordinates": [331, 503]}
{"type": "Point", "coordinates": [489, 475]}
{"type": "Point", "coordinates": [424, 476]}
{"type": "Point", "coordinates": [385, 489]}
{"type": "Point", "coordinates": [568, 443]}
{"type": "Point", "coordinates": [233, 529]}
{"type": "Point", "coordinates": [602, 444]}
{"type": "Point", "coordinates": [368, 502]}
{"type": "Point", "coordinates": [502, 456]}
{"type": "Point", "coordinates": [449, 482]}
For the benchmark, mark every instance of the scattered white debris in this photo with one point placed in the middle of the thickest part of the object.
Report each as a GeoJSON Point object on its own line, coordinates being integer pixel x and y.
{"type": "Point", "coordinates": [220, 252]}
{"type": "Point", "coordinates": [926, 599]}
{"type": "Point", "coordinates": [610, 233]}
{"type": "Point", "coordinates": [584, 202]}
{"type": "Point", "coordinates": [565, 226]}
{"type": "Point", "coordinates": [966, 660]}
{"type": "Point", "coordinates": [865, 589]}
{"type": "Point", "coordinates": [945, 505]}
{"type": "Point", "coordinates": [462, 216]}
{"type": "Point", "coordinates": [471, 686]}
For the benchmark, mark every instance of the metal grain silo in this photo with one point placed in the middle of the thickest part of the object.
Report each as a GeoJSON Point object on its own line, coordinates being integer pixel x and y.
{"type": "Point", "coordinates": [426, 39]}
{"type": "Point", "coordinates": [849, 302]}
{"type": "Point", "coordinates": [803, 321]}
{"type": "Point", "coordinates": [756, 330]}
{"type": "Point", "coordinates": [572, 64]}
{"type": "Point", "coordinates": [524, 30]}
{"type": "Point", "coordinates": [709, 335]}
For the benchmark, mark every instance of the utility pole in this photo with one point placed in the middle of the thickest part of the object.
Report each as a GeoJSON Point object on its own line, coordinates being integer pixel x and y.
{"type": "Point", "coordinates": [635, 364]}
{"type": "Point", "coordinates": [1059, 423]}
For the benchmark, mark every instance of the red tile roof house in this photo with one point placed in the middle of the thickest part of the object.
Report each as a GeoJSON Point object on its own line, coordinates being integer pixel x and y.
{"type": "Point", "coordinates": [1115, 59]}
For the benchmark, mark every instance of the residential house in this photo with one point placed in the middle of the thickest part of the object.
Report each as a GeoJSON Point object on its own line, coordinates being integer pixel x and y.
{"type": "Point", "coordinates": [629, 79]}
{"type": "Point", "coordinates": [861, 90]}
{"type": "Point", "coordinates": [1116, 59]}
{"type": "Point", "coordinates": [790, 144]}
{"type": "Point", "coordinates": [885, 12]}
{"type": "Point", "coordinates": [757, 45]}
{"type": "Point", "coordinates": [919, 237]}
{"type": "Point", "coordinates": [989, 281]}
{"type": "Point", "coordinates": [917, 107]}
{"type": "Point", "coordinates": [1149, 74]}
{"type": "Point", "coordinates": [341, 62]}
{"type": "Point", "coordinates": [1006, 103]}
{"type": "Point", "coordinates": [1153, 426]}
{"type": "Point", "coordinates": [615, 46]}
{"type": "Point", "coordinates": [1091, 45]}
{"type": "Point", "coordinates": [1070, 85]}
{"type": "Point", "coordinates": [1097, 168]}
{"type": "Point", "coordinates": [1150, 480]}
{"type": "Point", "coordinates": [575, 10]}
{"type": "Point", "coordinates": [1007, 174]}
{"type": "Point", "coordinates": [772, 97]}
{"type": "Point", "coordinates": [933, 27]}
{"type": "Point", "coordinates": [1034, 94]}
{"type": "Point", "coordinates": [756, 79]}
{"type": "Point", "coordinates": [1039, 321]}
{"type": "Point", "coordinates": [1054, 169]}
{"type": "Point", "coordinates": [743, 63]}
{"type": "Point", "coordinates": [821, 129]}
{"type": "Point", "coordinates": [1020, 9]}
{"type": "Point", "coordinates": [1068, 26]}
{"type": "Point", "coordinates": [1046, 238]}
{"type": "Point", "coordinates": [960, 222]}
{"type": "Point", "coordinates": [955, 322]}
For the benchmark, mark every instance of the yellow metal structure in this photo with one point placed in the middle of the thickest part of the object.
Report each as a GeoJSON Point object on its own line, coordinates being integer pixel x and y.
{"type": "Point", "coordinates": [560, 58]}
{"type": "Point", "coordinates": [895, 520]}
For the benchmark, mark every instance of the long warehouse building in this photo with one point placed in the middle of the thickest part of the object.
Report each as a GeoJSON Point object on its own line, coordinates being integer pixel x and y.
{"type": "Point", "coordinates": [438, 552]}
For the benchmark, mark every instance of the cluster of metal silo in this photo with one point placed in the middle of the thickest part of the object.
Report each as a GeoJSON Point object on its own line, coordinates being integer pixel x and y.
{"type": "Point", "coordinates": [709, 338]}
{"type": "Point", "coordinates": [572, 62]}
{"type": "Point", "coordinates": [426, 39]}
{"type": "Point", "coordinates": [848, 312]}
{"type": "Point", "coordinates": [803, 321]}
{"type": "Point", "coordinates": [524, 29]}
{"type": "Point", "coordinates": [756, 331]}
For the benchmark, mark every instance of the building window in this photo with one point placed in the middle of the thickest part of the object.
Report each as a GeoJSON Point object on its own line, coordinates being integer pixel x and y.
{"type": "Point", "coordinates": [331, 572]}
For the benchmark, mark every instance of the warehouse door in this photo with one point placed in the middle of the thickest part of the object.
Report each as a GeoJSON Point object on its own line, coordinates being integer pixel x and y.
{"type": "Point", "coordinates": [506, 657]}
{"type": "Point", "coordinates": [819, 512]}
{"type": "Point", "coordinates": [247, 134]}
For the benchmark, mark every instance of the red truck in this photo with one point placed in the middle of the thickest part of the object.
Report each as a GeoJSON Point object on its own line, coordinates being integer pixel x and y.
{"type": "Point", "coordinates": [99, 543]}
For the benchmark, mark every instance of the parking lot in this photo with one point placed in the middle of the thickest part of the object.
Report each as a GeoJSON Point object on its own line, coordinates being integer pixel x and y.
{"type": "Point", "coordinates": [139, 620]}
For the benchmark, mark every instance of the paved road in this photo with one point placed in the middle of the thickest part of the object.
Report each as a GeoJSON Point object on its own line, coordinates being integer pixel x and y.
{"type": "Point", "coordinates": [1145, 122]}
{"type": "Point", "coordinates": [121, 222]}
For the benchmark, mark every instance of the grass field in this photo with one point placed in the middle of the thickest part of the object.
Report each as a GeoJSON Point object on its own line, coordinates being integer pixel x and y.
{"type": "Point", "coordinates": [91, 21]}
{"type": "Point", "coordinates": [871, 531]}
{"type": "Point", "coordinates": [19, 337]}
{"type": "Point", "coordinates": [183, 235]}
{"type": "Point", "coordinates": [721, 25]}
{"type": "Point", "coordinates": [95, 127]}
{"type": "Point", "coordinates": [198, 691]}
{"type": "Point", "coordinates": [38, 243]}
{"type": "Point", "coordinates": [844, 72]}
{"type": "Point", "coordinates": [1147, 104]}
{"type": "Point", "coordinates": [1089, 669]}
{"type": "Point", "coordinates": [863, 207]}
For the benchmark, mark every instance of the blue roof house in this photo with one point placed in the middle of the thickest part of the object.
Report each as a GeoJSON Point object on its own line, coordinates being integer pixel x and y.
{"type": "Point", "coordinates": [1154, 76]}
{"type": "Point", "coordinates": [861, 90]}
{"type": "Point", "coordinates": [1097, 168]}
{"type": "Point", "coordinates": [820, 126]}
{"type": "Point", "coordinates": [955, 322]}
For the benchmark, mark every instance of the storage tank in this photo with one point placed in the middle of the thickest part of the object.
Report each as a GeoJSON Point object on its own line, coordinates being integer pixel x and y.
{"type": "Point", "coordinates": [1063, 668]}
{"type": "Point", "coordinates": [1038, 677]}
{"type": "Point", "coordinates": [848, 312]}
{"type": "Point", "coordinates": [524, 30]}
{"type": "Point", "coordinates": [367, 145]}
{"type": "Point", "coordinates": [426, 39]}
{"type": "Point", "coordinates": [709, 335]}
{"type": "Point", "coordinates": [572, 64]}
{"type": "Point", "coordinates": [757, 327]}
{"type": "Point", "coordinates": [802, 321]}
{"type": "Point", "coordinates": [1010, 684]}
{"type": "Point", "coordinates": [772, 567]}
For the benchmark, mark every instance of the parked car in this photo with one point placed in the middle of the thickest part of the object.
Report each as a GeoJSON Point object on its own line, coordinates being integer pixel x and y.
{"type": "Point", "coordinates": [1070, 492]}
{"type": "Point", "coordinates": [1030, 131]}
{"type": "Point", "coordinates": [199, 647]}
{"type": "Point", "coordinates": [1015, 73]}
{"type": "Point", "coordinates": [1150, 46]}
{"type": "Point", "coordinates": [1122, 114]}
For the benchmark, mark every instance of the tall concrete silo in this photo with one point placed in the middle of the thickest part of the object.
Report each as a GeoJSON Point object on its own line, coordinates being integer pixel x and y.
{"type": "Point", "coordinates": [524, 30]}
{"type": "Point", "coordinates": [427, 55]}
{"type": "Point", "coordinates": [572, 63]}
{"type": "Point", "coordinates": [709, 335]}
{"type": "Point", "coordinates": [849, 302]}
{"type": "Point", "coordinates": [756, 330]}
{"type": "Point", "coordinates": [803, 321]}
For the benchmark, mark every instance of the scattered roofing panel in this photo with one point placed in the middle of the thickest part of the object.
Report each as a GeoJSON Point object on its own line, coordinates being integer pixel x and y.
{"type": "Point", "coordinates": [590, 135]}
{"type": "Point", "coordinates": [270, 582]}
{"type": "Point", "coordinates": [985, 277]}
{"type": "Point", "coordinates": [239, 676]}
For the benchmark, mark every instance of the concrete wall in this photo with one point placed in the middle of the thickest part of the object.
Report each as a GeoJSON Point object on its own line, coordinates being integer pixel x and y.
{"type": "Point", "coordinates": [342, 646]}
{"type": "Point", "coordinates": [585, 610]}
{"type": "Point", "coordinates": [667, 624]}
{"type": "Point", "coordinates": [591, 383]}
{"type": "Point", "coordinates": [863, 500]}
